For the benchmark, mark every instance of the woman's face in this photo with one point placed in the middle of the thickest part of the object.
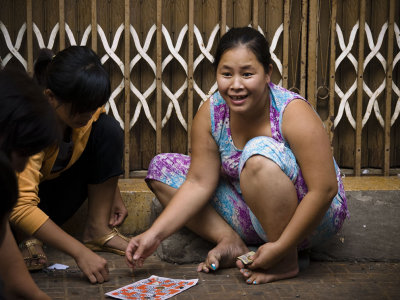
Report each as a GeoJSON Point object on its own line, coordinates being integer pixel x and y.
{"type": "Point", "coordinates": [63, 111]}
{"type": "Point", "coordinates": [74, 121]}
{"type": "Point", "coordinates": [242, 80]}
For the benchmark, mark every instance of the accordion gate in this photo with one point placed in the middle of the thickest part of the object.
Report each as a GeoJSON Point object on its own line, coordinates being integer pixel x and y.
{"type": "Point", "coordinates": [342, 55]}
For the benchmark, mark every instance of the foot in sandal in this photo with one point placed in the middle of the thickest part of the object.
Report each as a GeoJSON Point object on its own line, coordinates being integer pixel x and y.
{"type": "Point", "coordinates": [113, 242]}
{"type": "Point", "coordinates": [33, 254]}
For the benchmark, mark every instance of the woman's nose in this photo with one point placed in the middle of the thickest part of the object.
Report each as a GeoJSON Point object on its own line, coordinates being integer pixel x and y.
{"type": "Point", "coordinates": [236, 82]}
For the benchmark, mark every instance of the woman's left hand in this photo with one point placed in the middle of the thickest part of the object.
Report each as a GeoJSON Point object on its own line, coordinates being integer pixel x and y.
{"type": "Point", "coordinates": [267, 256]}
{"type": "Point", "coordinates": [118, 210]}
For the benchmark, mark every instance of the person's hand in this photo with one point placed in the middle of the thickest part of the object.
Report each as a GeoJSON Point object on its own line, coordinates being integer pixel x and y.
{"type": "Point", "coordinates": [140, 247]}
{"type": "Point", "coordinates": [266, 256]}
{"type": "Point", "coordinates": [93, 266]}
{"type": "Point", "coordinates": [118, 211]}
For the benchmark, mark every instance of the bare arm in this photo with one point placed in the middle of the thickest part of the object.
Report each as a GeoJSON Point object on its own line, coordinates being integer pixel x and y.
{"type": "Point", "coordinates": [310, 144]}
{"type": "Point", "coordinates": [28, 217]}
{"type": "Point", "coordinates": [195, 192]}
{"type": "Point", "coordinates": [91, 264]}
{"type": "Point", "coordinates": [201, 181]}
{"type": "Point", "coordinates": [18, 283]}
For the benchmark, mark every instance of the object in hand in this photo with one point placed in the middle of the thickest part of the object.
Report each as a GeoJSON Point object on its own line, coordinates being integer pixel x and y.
{"type": "Point", "coordinates": [245, 258]}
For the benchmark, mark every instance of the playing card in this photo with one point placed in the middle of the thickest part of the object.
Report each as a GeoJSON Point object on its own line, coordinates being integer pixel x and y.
{"type": "Point", "coordinates": [154, 287]}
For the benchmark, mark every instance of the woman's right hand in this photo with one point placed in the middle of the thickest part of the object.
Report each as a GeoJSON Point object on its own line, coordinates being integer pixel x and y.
{"type": "Point", "coordinates": [93, 266]}
{"type": "Point", "coordinates": [140, 247]}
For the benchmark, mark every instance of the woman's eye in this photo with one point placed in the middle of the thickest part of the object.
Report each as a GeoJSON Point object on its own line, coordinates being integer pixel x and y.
{"type": "Point", "coordinates": [226, 74]}
{"type": "Point", "coordinates": [247, 75]}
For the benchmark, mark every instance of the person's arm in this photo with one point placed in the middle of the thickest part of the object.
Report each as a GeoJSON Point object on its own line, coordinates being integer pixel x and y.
{"type": "Point", "coordinates": [195, 192]}
{"type": "Point", "coordinates": [91, 264]}
{"type": "Point", "coordinates": [29, 218]}
{"type": "Point", "coordinates": [18, 283]}
{"type": "Point", "coordinates": [307, 137]}
{"type": "Point", "coordinates": [26, 216]}
{"type": "Point", "coordinates": [118, 210]}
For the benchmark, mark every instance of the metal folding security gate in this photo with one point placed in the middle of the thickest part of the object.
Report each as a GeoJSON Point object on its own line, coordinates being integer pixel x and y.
{"type": "Point", "coordinates": [342, 55]}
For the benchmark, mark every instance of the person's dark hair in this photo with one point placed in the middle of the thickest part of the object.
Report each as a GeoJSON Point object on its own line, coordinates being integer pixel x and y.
{"type": "Point", "coordinates": [28, 123]}
{"type": "Point", "coordinates": [8, 186]}
{"type": "Point", "coordinates": [248, 37]}
{"type": "Point", "coordinates": [76, 76]}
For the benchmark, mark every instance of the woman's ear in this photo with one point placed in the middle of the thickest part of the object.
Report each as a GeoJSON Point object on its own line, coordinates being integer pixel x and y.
{"type": "Point", "coordinates": [51, 97]}
{"type": "Point", "coordinates": [268, 73]}
{"type": "Point", "coordinates": [270, 69]}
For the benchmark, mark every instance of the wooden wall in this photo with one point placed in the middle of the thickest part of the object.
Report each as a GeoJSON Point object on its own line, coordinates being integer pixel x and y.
{"type": "Point", "coordinates": [342, 55]}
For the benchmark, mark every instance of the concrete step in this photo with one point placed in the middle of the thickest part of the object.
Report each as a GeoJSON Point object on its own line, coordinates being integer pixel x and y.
{"type": "Point", "coordinates": [371, 234]}
{"type": "Point", "coordinates": [137, 198]}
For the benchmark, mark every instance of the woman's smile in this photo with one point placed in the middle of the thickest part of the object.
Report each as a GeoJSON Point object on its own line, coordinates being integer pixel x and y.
{"type": "Point", "coordinates": [242, 80]}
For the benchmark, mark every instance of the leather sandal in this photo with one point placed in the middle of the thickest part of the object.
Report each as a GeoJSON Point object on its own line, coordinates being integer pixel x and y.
{"type": "Point", "coordinates": [100, 243]}
{"type": "Point", "coordinates": [30, 245]}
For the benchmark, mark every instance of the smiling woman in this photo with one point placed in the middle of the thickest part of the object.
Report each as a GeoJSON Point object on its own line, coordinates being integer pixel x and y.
{"type": "Point", "coordinates": [239, 78]}
{"type": "Point", "coordinates": [270, 179]}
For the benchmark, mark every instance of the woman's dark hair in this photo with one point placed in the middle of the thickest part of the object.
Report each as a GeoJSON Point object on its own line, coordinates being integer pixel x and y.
{"type": "Point", "coordinates": [28, 123]}
{"type": "Point", "coordinates": [8, 186]}
{"type": "Point", "coordinates": [248, 37]}
{"type": "Point", "coordinates": [76, 76]}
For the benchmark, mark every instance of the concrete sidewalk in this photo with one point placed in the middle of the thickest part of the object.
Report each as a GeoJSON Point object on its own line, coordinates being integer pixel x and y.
{"type": "Point", "coordinates": [321, 280]}
{"type": "Point", "coordinates": [361, 262]}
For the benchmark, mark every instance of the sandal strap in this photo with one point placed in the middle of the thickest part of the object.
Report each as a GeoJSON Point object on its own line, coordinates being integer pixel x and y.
{"type": "Point", "coordinates": [36, 257]}
{"type": "Point", "coordinates": [105, 238]}
{"type": "Point", "coordinates": [30, 246]}
{"type": "Point", "coordinates": [121, 235]}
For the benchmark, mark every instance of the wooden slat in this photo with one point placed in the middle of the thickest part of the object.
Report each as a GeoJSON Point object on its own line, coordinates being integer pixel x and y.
{"type": "Point", "coordinates": [303, 54]}
{"type": "Point", "coordinates": [94, 25]}
{"type": "Point", "coordinates": [286, 48]}
{"type": "Point", "coordinates": [61, 18]}
{"type": "Point", "coordinates": [388, 102]}
{"type": "Point", "coordinates": [127, 89]}
{"type": "Point", "coordinates": [360, 78]}
{"type": "Point", "coordinates": [332, 70]}
{"type": "Point", "coordinates": [255, 14]}
{"type": "Point", "coordinates": [223, 17]}
{"type": "Point", "coordinates": [190, 74]}
{"type": "Point", "coordinates": [158, 76]}
{"type": "Point", "coordinates": [29, 35]}
{"type": "Point", "coordinates": [312, 53]}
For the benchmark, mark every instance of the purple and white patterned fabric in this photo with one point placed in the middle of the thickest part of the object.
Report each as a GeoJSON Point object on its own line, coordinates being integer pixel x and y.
{"type": "Point", "coordinates": [171, 169]}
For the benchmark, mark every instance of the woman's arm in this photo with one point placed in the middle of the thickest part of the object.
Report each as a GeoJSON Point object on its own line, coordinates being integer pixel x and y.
{"type": "Point", "coordinates": [195, 192]}
{"type": "Point", "coordinates": [18, 283]}
{"type": "Point", "coordinates": [306, 135]}
{"type": "Point", "coordinates": [29, 218]}
{"type": "Point", "coordinates": [26, 215]}
{"type": "Point", "coordinates": [91, 264]}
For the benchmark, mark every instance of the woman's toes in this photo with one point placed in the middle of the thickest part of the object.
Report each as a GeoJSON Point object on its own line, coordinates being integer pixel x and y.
{"type": "Point", "coordinates": [252, 279]}
{"type": "Point", "coordinates": [246, 272]}
{"type": "Point", "coordinates": [202, 268]}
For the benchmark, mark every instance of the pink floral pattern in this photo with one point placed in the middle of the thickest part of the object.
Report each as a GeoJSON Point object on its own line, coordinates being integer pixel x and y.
{"type": "Point", "coordinates": [171, 168]}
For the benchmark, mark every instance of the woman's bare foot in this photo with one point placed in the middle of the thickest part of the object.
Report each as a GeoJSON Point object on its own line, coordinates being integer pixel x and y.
{"type": "Point", "coordinates": [223, 255]}
{"type": "Point", "coordinates": [286, 268]}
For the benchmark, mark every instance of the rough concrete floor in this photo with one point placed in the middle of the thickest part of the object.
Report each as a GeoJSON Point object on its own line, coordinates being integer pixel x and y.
{"type": "Point", "coordinates": [321, 280]}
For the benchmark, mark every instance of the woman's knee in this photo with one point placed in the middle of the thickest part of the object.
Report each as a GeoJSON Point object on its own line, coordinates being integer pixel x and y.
{"type": "Point", "coordinates": [258, 166]}
{"type": "Point", "coordinates": [157, 160]}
